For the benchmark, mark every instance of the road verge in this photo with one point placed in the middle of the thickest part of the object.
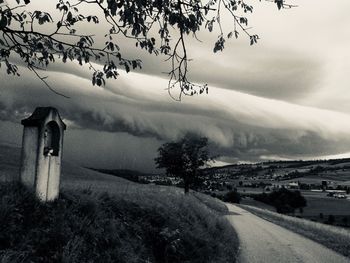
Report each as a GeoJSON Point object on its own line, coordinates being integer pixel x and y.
{"type": "Point", "coordinates": [335, 238]}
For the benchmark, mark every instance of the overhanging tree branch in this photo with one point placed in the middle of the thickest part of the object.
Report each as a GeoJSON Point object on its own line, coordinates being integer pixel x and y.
{"type": "Point", "coordinates": [147, 22]}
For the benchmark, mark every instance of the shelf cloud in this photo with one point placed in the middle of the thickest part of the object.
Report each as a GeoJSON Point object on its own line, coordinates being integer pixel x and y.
{"type": "Point", "coordinates": [281, 99]}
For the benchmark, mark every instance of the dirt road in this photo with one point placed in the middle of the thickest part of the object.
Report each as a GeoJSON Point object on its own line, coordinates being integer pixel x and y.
{"type": "Point", "coordinates": [262, 241]}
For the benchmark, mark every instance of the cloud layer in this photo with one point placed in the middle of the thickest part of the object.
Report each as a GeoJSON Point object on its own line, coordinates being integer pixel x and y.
{"type": "Point", "coordinates": [240, 126]}
{"type": "Point", "coordinates": [284, 98]}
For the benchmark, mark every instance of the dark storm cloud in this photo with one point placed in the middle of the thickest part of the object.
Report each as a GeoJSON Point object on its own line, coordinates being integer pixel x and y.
{"type": "Point", "coordinates": [253, 144]}
{"type": "Point", "coordinates": [240, 126]}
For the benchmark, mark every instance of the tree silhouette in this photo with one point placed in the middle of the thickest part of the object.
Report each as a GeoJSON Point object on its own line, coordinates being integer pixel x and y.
{"type": "Point", "coordinates": [284, 200]}
{"type": "Point", "coordinates": [184, 157]}
{"type": "Point", "coordinates": [158, 27]}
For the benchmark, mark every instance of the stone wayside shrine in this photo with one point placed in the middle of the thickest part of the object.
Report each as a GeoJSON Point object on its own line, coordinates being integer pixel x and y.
{"type": "Point", "coordinates": [42, 152]}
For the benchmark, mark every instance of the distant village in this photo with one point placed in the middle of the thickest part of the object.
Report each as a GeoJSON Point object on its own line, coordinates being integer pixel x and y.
{"type": "Point", "coordinates": [333, 178]}
{"type": "Point", "coordinates": [330, 176]}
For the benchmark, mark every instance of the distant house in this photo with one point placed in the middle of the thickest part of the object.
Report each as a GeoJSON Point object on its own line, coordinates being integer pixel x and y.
{"type": "Point", "coordinates": [293, 185]}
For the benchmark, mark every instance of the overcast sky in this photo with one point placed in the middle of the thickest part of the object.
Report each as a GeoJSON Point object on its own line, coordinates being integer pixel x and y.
{"type": "Point", "coordinates": [285, 98]}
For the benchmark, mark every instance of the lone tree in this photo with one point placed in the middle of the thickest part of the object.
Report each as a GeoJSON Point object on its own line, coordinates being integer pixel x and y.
{"type": "Point", "coordinates": [156, 26]}
{"type": "Point", "coordinates": [184, 157]}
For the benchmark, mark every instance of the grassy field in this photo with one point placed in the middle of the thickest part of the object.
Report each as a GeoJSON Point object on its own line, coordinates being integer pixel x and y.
{"type": "Point", "coordinates": [335, 238]}
{"type": "Point", "coordinates": [317, 202]}
{"type": "Point", "coordinates": [322, 208]}
{"type": "Point", "coordinates": [319, 208]}
{"type": "Point", "coordinates": [341, 178]}
{"type": "Point", "coordinates": [321, 203]}
{"type": "Point", "coordinates": [102, 218]}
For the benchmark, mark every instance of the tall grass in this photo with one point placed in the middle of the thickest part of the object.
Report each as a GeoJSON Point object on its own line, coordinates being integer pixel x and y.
{"type": "Point", "coordinates": [89, 225]}
{"type": "Point", "coordinates": [333, 237]}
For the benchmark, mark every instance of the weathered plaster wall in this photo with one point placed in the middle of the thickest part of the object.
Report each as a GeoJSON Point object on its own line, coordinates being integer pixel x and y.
{"type": "Point", "coordinates": [54, 178]}
{"type": "Point", "coordinates": [29, 155]}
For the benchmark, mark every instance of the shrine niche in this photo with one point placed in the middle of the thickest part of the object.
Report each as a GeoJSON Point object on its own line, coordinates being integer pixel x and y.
{"type": "Point", "coordinates": [51, 139]}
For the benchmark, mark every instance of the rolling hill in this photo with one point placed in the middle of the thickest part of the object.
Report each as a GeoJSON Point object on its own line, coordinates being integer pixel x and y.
{"type": "Point", "coordinates": [105, 218]}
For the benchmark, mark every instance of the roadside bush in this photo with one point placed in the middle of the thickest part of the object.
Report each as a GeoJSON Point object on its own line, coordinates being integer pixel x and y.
{"type": "Point", "coordinates": [284, 200]}
{"type": "Point", "coordinates": [232, 197]}
{"type": "Point", "coordinates": [331, 220]}
{"type": "Point", "coordinates": [345, 221]}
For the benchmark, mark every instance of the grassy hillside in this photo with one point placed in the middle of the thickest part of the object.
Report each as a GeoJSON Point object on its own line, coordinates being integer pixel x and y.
{"type": "Point", "coordinates": [10, 160]}
{"type": "Point", "coordinates": [102, 218]}
{"type": "Point", "coordinates": [131, 175]}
